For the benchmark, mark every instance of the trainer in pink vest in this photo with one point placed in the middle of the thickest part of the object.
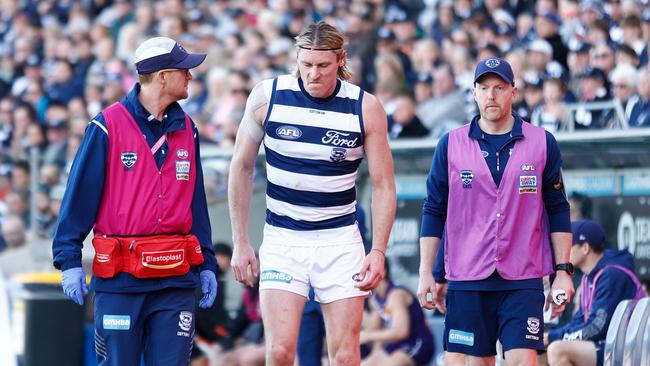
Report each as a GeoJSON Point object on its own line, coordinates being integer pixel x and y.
{"type": "Point", "coordinates": [139, 198]}
{"type": "Point", "coordinates": [489, 227]}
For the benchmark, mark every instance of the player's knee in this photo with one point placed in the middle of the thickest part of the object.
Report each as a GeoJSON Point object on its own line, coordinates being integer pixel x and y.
{"type": "Point", "coordinates": [558, 353]}
{"type": "Point", "coordinates": [280, 354]}
{"type": "Point", "coordinates": [345, 357]}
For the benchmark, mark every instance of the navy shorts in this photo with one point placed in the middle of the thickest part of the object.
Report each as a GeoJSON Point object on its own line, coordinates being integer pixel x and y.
{"type": "Point", "coordinates": [476, 319]}
{"type": "Point", "coordinates": [158, 325]}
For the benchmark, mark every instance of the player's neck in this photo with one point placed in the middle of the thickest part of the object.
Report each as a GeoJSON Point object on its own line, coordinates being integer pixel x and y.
{"type": "Point", "coordinates": [590, 262]}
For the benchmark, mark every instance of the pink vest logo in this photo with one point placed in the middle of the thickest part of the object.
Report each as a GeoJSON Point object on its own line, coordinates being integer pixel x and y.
{"type": "Point", "coordinates": [128, 159]}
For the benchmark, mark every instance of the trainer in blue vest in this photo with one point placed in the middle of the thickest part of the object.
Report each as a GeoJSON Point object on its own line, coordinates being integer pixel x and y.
{"type": "Point", "coordinates": [145, 201]}
{"type": "Point", "coordinates": [495, 187]}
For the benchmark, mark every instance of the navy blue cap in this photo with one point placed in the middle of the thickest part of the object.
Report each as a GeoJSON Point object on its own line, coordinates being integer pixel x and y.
{"type": "Point", "coordinates": [395, 14]}
{"type": "Point", "coordinates": [588, 231]}
{"type": "Point", "coordinates": [533, 79]}
{"type": "Point", "coordinates": [593, 72]}
{"type": "Point", "coordinates": [495, 66]}
{"type": "Point", "coordinates": [552, 17]}
{"type": "Point", "coordinates": [385, 33]}
{"type": "Point", "coordinates": [164, 53]}
{"type": "Point", "coordinates": [578, 47]}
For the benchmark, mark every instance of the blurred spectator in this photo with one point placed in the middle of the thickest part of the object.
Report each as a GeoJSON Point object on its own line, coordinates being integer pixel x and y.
{"type": "Point", "coordinates": [396, 328]}
{"type": "Point", "coordinates": [446, 109]}
{"type": "Point", "coordinates": [45, 218]}
{"type": "Point", "coordinates": [403, 123]}
{"type": "Point", "coordinates": [595, 88]}
{"type": "Point", "coordinates": [212, 323]}
{"type": "Point", "coordinates": [602, 57]}
{"type": "Point", "coordinates": [13, 232]}
{"type": "Point", "coordinates": [547, 27]}
{"type": "Point", "coordinates": [50, 175]}
{"type": "Point", "coordinates": [18, 206]}
{"type": "Point", "coordinates": [640, 114]}
{"type": "Point", "coordinates": [578, 60]}
{"type": "Point", "coordinates": [21, 179]}
{"type": "Point", "coordinates": [423, 89]}
{"type": "Point", "coordinates": [580, 206]}
{"type": "Point", "coordinates": [626, 55]}
{"type": "Point", "coordinates": [533, 93]}
{"type": "Point", "coordinates": [623, 80]}
{"type": "Point", "coordinates": [550, 114]}
{"type": "Point", "coordinates": [247, 332]}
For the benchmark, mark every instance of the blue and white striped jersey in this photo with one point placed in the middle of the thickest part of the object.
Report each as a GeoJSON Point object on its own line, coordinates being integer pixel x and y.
{"type": "Point", "coordinates": [313, 149]}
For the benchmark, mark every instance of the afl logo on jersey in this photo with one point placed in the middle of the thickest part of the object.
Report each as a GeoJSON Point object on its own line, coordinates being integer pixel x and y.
{"type": "Point", "coordinates": [129, 158]}
{"type": "Point", "coordinates": [288, 132]}
{"type": "Point", "coordinates": [182, 154]}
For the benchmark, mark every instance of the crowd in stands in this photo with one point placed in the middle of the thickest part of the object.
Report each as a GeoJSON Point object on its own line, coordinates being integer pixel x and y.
{"type": "Point", "coordinates": [62, 62]}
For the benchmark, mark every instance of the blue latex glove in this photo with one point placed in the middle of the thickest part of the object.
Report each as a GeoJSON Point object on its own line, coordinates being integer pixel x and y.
{"type": "Point", "coordinates": [208, 288]}
{"type": "Point", "coordinates": [74, 284]}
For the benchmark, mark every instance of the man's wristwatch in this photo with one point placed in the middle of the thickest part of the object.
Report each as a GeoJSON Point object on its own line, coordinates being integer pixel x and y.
{"type": "Point", "coordinates": [568, 267]}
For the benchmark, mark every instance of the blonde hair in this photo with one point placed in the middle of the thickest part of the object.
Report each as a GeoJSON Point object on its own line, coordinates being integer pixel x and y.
{"type": "Point", "coordinates": [325, 37]}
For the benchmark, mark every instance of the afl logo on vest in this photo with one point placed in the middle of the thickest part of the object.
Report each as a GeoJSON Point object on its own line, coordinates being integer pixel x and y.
{"type": "Point", "coordinates": [288, 132]}
{"type": "Point", "coordinates": [182, 154]}
{"type": "Point", "coordinates": [128, 159]}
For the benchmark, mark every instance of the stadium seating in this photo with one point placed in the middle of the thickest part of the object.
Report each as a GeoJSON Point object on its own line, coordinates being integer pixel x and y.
{"type": "Point", "coordinates": [615, 340]}
{"type": "Point", "coordinates": [634, 334]}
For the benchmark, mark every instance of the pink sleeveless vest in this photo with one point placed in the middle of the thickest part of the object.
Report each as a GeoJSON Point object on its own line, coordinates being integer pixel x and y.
{"type": "Point", "coordinates": [489, 227]}
{"type": "Point", "coordinates": [138, 198]}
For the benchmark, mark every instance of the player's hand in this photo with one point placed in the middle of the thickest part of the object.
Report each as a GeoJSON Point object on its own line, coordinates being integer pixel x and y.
{"type": "Point", "coordinates": [73, 281]}
{"type": "Point", "coordinates": [427, 291]}
{"type": "Point", "coordinates": [562, 282]}
{"type": "Point", "coordinates": [244, 262]}
{"type": "Point", "coordinates": [439, 297]}
{"type": "Point", "coordinates": [209, 288]}
{"type": "Point", "coordinates": [372, 271]}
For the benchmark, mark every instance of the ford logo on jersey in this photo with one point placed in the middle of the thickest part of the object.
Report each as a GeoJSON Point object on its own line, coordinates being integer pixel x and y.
{"type": "Point", "coordinates": [288, 132]}
{"type": "Point", "coordinates": [128, 159]}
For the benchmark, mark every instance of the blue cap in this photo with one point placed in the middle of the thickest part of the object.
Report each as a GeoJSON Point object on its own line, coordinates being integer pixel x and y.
{"type": "Point", "coordinates": [552, 17]}
{"type": "Point", "coordinates": [164, 53]}
{"type": "Point", "coordinates": [588, 231]}
{"type": "Point", "coordinates": [593, 72]}
{"type": "Point", "coordinates": [495, 66]}
{"type": "Point", "coordinates": [578, 47]}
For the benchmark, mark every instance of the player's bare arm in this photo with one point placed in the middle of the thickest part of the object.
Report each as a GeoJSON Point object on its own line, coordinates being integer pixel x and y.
{"type": "Point", "coordinates": [380, 165]}
{"type": "Point", "coordinates": [240, 183]}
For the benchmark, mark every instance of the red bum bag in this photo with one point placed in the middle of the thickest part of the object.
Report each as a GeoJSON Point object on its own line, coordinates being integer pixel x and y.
{"type": "Point", "coordinates": [146, 256]}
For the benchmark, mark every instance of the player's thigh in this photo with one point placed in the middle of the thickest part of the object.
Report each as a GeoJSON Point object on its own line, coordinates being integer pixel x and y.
{"type": "Point", "coordinates": [579, 353]}
{"type": "Point", "coordinates": [455, 359]}
{"type": "Point", "coordinates": [281, 313]}
{"type": "Point", "coordinates": [343, 322]}
{"type": "Point", "coordinates": [335, 273]}
{"type": "Point", "coordinates": [285, 267]}
{"type": "Point", "coordinates": [520, 356]}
